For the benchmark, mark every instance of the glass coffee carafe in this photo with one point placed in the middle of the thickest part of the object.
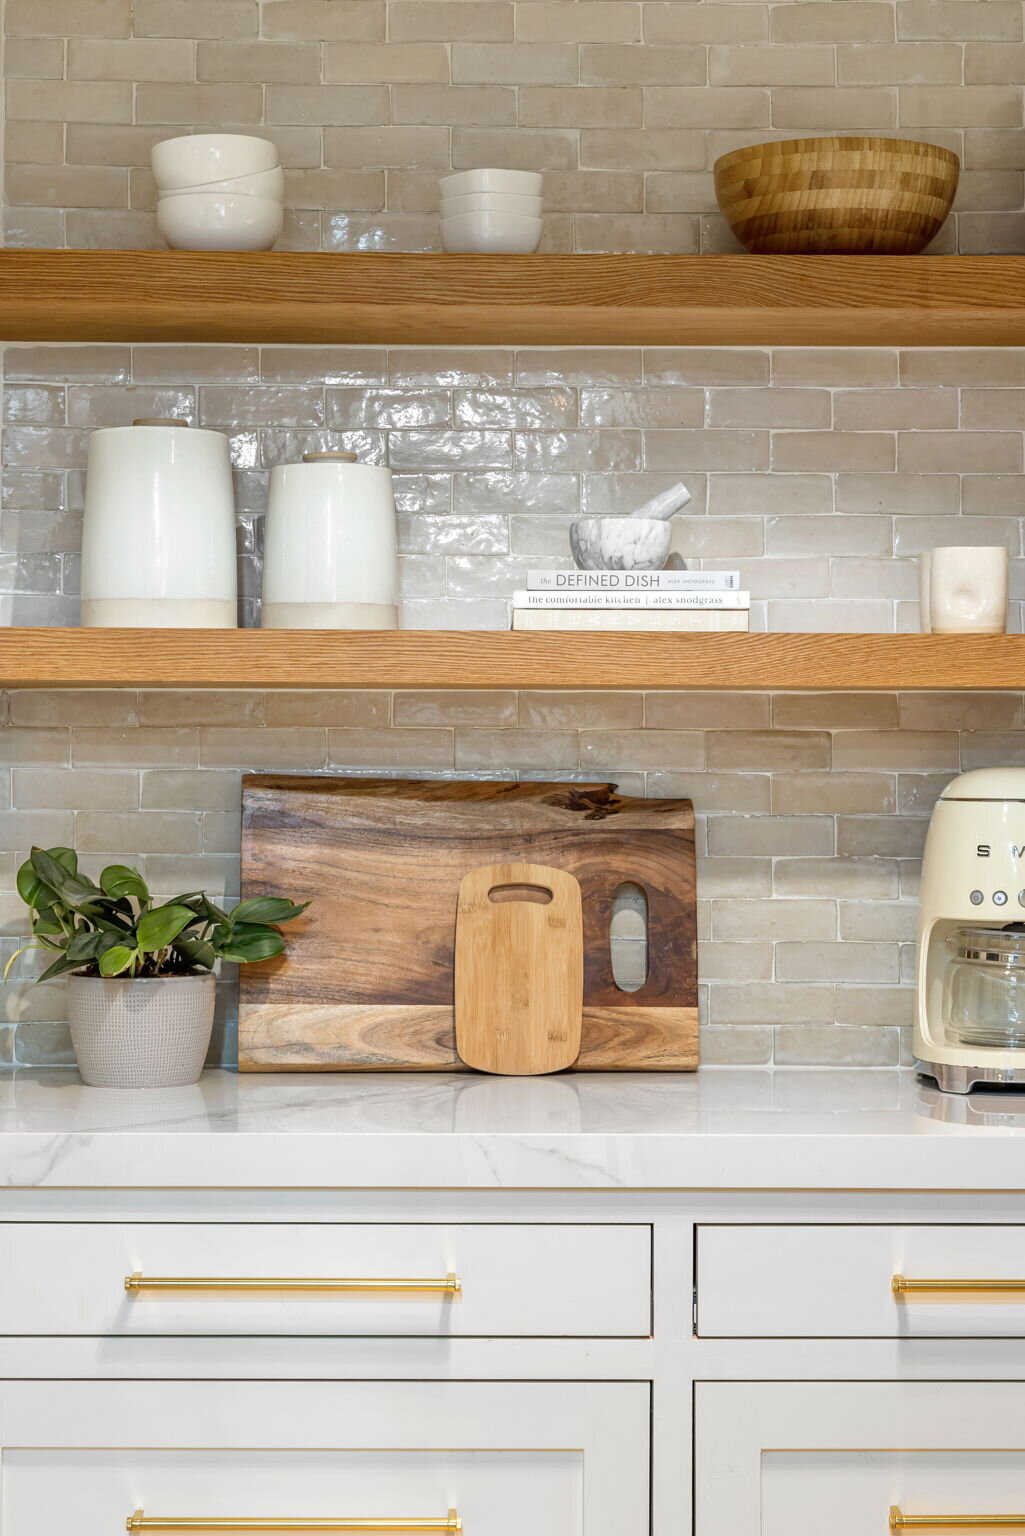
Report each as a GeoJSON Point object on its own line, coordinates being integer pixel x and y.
{"type": "Point", "coordinates": [984, 987]}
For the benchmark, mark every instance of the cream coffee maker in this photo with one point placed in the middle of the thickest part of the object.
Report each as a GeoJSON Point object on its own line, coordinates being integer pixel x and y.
{"type": "Point", "coordinates": [970, 1005]}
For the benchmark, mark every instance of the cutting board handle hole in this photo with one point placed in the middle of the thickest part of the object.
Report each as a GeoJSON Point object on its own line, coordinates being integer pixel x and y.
{"type": "Point", "coordinates": [628, 937]}
{"type": "Point", "coordinates": [536, 893]}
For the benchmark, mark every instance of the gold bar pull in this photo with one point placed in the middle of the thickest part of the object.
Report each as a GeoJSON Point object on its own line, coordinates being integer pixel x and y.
{"type": "Point", "coordinates": [139, 1522]}
{"type": "Point", "coordinates": [901, 1286]}
{"type": "Point", "coordinates": [901, 1522]}
{"type": "Point", "coordinates": [450, 1286]}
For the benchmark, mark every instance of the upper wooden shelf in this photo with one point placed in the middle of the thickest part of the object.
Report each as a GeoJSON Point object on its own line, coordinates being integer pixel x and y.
{"type": "Point", "coordinates": [253, 658]}
{"type": "Point", "coordinates": [512, 300]}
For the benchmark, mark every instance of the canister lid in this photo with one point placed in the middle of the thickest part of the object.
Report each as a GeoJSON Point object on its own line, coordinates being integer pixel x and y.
{"type": "Point", "coordinates": [159, 421]}
{"type": "Point", "coordinates": [331, 456]}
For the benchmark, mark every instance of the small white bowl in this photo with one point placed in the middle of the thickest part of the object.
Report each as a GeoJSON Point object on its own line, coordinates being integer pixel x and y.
{"type": "Point", "coordinates": [519, 183]}
{"type": "Point", "coordinates": [491, 202]}
{"type": "Point", "coordinates": [216, 221]}
{"type": "Point", "coordinates": [196, 159]}
{"type": "Point", "coordinates": [260, 184]}
{"type": "Point", "coordinates": [507, 234]}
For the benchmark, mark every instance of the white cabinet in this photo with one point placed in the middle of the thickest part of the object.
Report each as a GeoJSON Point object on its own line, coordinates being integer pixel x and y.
{"type": "Point", "coordinates": [554, 1459]}
{"type": "Point", "coordinates": [798, 1458]}
{"type": "Point", "coordinates": [822, 1281]}
{"type": "Point", "coordinates": [514, 1280]}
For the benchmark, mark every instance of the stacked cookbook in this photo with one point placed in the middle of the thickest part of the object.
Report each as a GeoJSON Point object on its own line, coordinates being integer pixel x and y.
{"type": "Point", "coordinates": [660, 600]}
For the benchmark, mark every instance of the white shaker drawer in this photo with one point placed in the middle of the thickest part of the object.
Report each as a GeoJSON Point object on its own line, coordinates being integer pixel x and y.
{"type": "Point", "coordinates": [818, 1281]}
{"type": "Point", "coordinates": [797, 1459]}
{"type": "Point", "coordinates": [69, 1278]}
{"type": "Point", "coordinates": [554, 1459]}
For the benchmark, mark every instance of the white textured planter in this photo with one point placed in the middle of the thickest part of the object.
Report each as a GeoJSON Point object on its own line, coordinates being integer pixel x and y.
{"type": "Point", "coordinates": [141, 1034]}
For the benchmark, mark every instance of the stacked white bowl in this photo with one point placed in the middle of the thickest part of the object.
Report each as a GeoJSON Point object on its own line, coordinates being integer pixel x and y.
{"type": "Point", "coordinates": [498, 212]}
{"type": "Point", "coordinates": [219, 192]}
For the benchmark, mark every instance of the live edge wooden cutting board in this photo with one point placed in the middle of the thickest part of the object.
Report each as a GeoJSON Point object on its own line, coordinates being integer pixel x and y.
{"type": "Point", "coordinates": [367, 980]}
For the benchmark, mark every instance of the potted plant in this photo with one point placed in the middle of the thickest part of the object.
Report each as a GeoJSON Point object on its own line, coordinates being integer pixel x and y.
{"type": "Point", "coordinates": [141, 998]}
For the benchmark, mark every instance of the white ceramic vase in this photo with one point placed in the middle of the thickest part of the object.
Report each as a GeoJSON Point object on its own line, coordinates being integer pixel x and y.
{"type": "Point", "coordinates": [968, 590]}
{"type": "Point", "coordinates": [158, 539]}
{"type": "Point", "coordinates": [330, 554]}
{"type": "Point", "coordinates": [151, 1033]}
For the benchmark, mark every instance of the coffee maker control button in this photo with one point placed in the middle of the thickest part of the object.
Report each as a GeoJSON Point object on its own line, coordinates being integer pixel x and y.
{"type": "Point", "coordinates": [976, 898]}
{"type": "Point", "coordinates": [1021, 898]}
{"type": "Point", "coordinates": [1000, 898]}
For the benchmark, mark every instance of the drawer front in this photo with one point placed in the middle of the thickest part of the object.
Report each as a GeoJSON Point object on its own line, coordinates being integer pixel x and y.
{"type": "Point", "coordinates": [69, 1278]}
{"type": "Point", "coordinates": [553, 1459]}
{"type": "Point", "coordinates": [797, 1459]}
{"type": "Point", "coordinates": [817, 1281]}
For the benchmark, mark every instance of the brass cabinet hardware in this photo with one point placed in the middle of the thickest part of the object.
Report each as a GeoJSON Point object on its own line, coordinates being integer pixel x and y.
{"type": "Point", "coordinates": [140, 1522]}
{"type": "Point", "coordinates": [901, 1286]}
{"type": "Point", "coordinates": [901, 1522]}
{"type": "Point", "coordinates": [450, 1286]}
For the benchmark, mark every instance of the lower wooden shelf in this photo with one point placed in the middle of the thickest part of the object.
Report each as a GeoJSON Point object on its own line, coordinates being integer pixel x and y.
{"type": "Point", "coordinates": [384, 659]}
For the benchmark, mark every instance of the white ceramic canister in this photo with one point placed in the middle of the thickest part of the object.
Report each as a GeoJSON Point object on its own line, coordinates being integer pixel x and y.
{"type": "Point", "coordinates": [330, 558]}
{"type": "Point", "coordinates": [158, 540]}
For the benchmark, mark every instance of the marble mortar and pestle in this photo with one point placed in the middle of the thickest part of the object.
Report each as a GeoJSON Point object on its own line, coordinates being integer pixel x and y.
{"type": "Point", "coordinates": [638, 542]}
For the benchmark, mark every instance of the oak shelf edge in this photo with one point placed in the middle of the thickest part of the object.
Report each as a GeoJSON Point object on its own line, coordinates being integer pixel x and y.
{"type": "Point", "coordinates": [548, 300]}
{"type": "Point", "coordinates": [489, 659]}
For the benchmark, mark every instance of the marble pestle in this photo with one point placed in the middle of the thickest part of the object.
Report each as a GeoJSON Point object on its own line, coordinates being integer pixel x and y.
{"type": "Point", "coordinates": [665, 505]}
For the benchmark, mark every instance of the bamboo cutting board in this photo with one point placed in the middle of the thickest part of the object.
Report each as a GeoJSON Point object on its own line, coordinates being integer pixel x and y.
{"type": "Point", "coordinates": [367, 980]}
{"type": "Point", "coordinates": [519, 969]}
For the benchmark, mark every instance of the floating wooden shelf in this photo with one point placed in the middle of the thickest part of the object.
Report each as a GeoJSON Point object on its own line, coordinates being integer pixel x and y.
{"type": "Point", "coordinates": [160, 658]}
{"type": "Point", "coordinates": [189, 296]}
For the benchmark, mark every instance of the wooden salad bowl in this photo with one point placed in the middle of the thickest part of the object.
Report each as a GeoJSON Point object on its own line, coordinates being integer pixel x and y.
{"type": "Point", "coordinates": [837, 196]}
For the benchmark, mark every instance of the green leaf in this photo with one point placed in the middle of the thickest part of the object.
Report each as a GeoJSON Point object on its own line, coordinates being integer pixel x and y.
{"type": "Point", "coordinates": [266, 909]}
{"type": "Point", "coordinates": [119, 880]}
{"type": "Point", "coordinates": [249, 944]}
{"type": "Point", "coordinates": [79, 894]}
{"type": "Point", "coordinates": [33, 887]}
{"type": "Point", "coordinates": [67, 858]}
{"type": "Point", "coordinates": [50, 869]}
{"type": "Point", "coordinates": [212, 914]}
{"type": "Point", "coordinates": [34, 892]}
{"type": "Point", "coordinates": [198, 952]}
{"type": "Point", "coordinates": [159, 927]}
{"type": "Point", "coordinates": [46, 921]}
{"type": "Point", "coordinates": [74, 890]}
{"type": "Point", "coordinates": [116, 959]}
{"type": "Point", "coordinates": [109, 921]}
{"type": "Point", "coordinates": [84, 945]}
{"type": "Point", "coordinates": [59, 967]}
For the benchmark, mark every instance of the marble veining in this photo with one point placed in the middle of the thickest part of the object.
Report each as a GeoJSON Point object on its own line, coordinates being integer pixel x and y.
{"type": "Point", "coordinates": [620, 543]}
{"type": "Point", "coordinates": [725, 1129]}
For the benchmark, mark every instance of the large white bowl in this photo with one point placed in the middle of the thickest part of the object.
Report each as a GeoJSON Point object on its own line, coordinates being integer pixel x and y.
{"type": "Point", "coordinates": [260, 184]}
{"type": "Point", "coordinates": [507, 234]}
{"type": "Point", "coordinates": [198, 158]}
{"type": "Point", "coordinates": [491, 202]}
{"type": "Point", "coordinates": [217, 221]}
{"type": "Point", "coordinates": [519, 183]}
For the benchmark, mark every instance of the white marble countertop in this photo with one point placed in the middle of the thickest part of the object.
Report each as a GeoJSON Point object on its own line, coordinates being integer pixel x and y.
{"type": "Point", "coordinates": [716, 1129]}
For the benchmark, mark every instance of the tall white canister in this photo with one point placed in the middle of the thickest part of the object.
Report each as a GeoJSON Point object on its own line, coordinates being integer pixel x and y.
{"type": "Point", "coordinates": [330, 558]}
{"type": "Point", "coordinates": [158, 539]}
